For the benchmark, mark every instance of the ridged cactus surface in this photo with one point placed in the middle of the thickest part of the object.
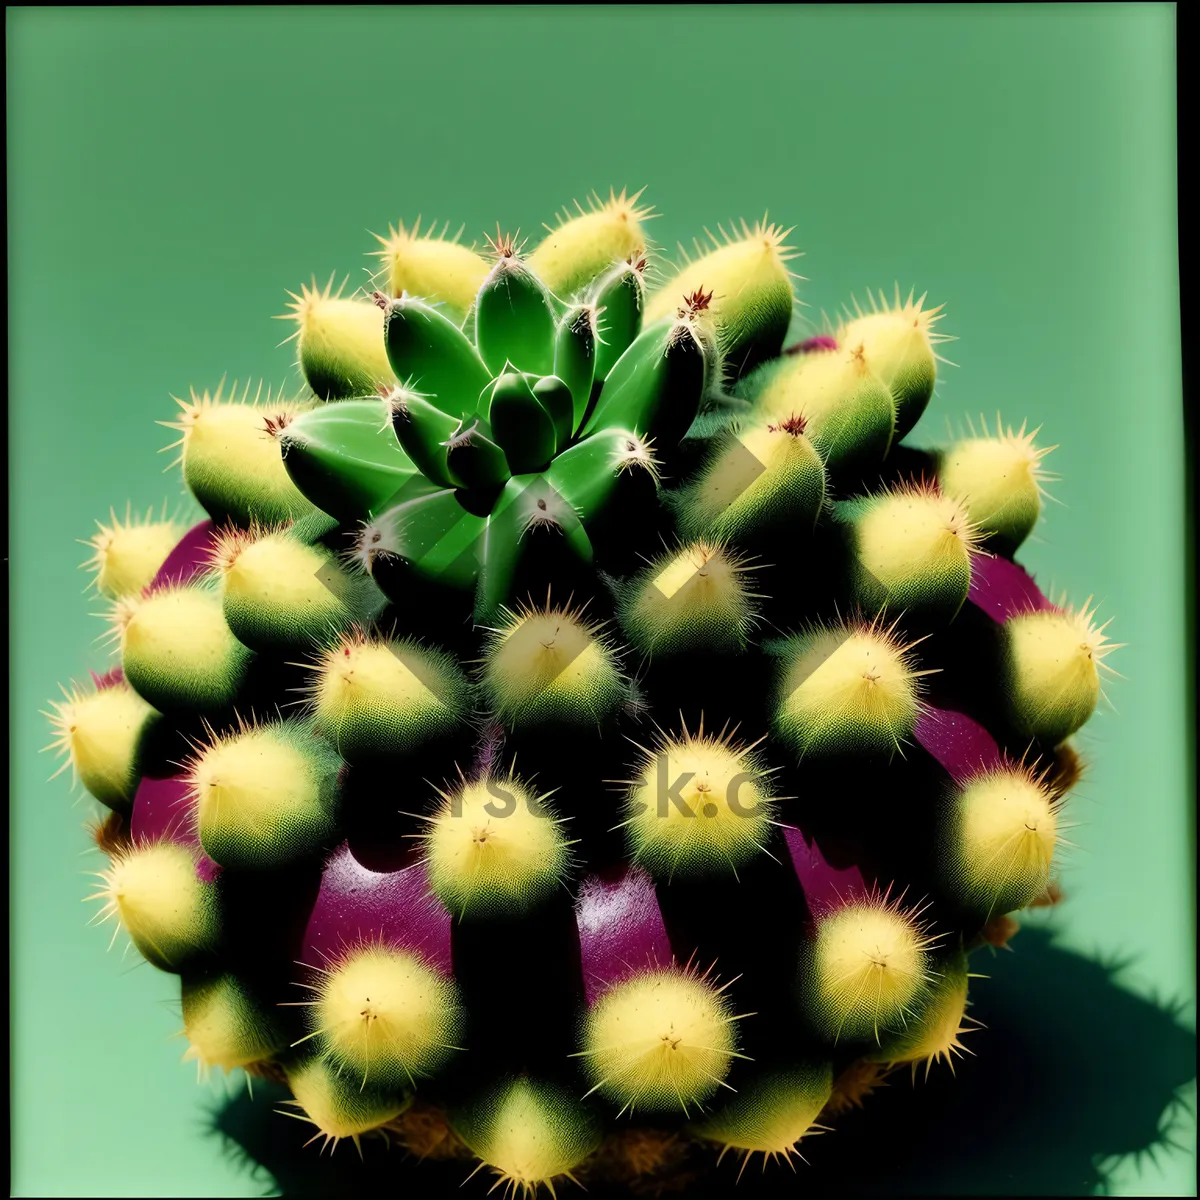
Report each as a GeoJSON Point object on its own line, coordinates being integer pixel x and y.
{"type": "Point", "coordinates": [583, 734]}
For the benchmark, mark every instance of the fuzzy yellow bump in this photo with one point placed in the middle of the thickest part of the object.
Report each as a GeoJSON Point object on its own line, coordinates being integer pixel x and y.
{"type": "Point", "coordinates": [177, 648]}
{"type": "Point", "coordinates": [1054, 661]}
{"type": "Point", "coordinates": [155, 895]}
{"type": "Point", "coordinates": [263, 794]}
{"type": "Point", "coordinates": [697, 803]}
{"type": "Point", "coordinates": [339, 341]}
{"type": "Point", "coordinates": [936, 1034]}
{"type": "Point", "coordinates": [280, 577]}
{"type": "Point", "coordinates": [870, 968]}
{"type": "Point", "coordinates": [99, 733]}
{"type": "Point", "coordinates": [849, 687]}
{"type": "Point", "coordinates": [697, 593]}
{"type": "Point", "coordinates": [432, 266]}
{"type": "Point", "coordinates": [551, 663]}
{"type": "Point", "coordinates": [846, 408]}
{"type": "Point", "coordinates": [772, 1113]}
{"type": "Point", "coordinates": [586, 244]}
{"type": "Point", "coordinates": [126, 555]}
{"type": "Point", "coordinates": [659, 1040]}
{"type": "Point", "coordinates": [742, 273]}
{"type": "Point", "coordinates": [916, 543]}
{"type": "Point", "coordinates": [999, 479]}
{"type": "Point", "coordinates": [230, 458]}
{"type": "Point", "coordinates": [1008, 829]}
{"type": "Point", "coordinates": [898, 340]}
{"type": "Point", "coordinates": [225, 1026]}
{"type": "Point", "coordinates": [493, 845]}
{"type": "Point", "coordinates": [337, 1107]}
{"type": "Point", "coordinates": [383, 693]}
{"type": "Point", "coordinates": [384, 1016]}
{"type": "Point", "coordinates": [530, 1134]}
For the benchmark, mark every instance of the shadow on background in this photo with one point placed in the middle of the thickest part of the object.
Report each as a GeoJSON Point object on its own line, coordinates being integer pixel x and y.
{"type": "Point", "coordinates": [1072, 1072]}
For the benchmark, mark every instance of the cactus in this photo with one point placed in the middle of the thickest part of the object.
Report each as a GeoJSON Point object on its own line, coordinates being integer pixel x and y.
{"type": "Point", "coordinates": [606, 720]}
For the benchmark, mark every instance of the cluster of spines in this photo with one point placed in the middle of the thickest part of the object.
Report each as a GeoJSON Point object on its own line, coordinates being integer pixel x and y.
{"type": "Point", "coordinates": [487, 424]}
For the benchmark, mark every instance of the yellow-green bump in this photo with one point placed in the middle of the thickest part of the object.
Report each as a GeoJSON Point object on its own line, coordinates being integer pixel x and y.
{"type": "Point", "coordinates": [846, 408]}
{"type": "Point", "coordinates": [494, 847]}
{"type": "Point", "coordinates": [697, 597]}
{"type": "Point", "coordinates": [997, 840]}
{"type": "Point", "coordinates": [434, 267]}
{"type": "Point", "coordinates": [100, 733]}
{"type": "Point", "coordinates": [280, 591]}
{"type": "Point", "coordinates": [177, 649]}
{"type": "Point", "coordinates": [935, 1034]}
{"type": "Point", "coordinates": [659, 1041]}
{"type": "Point", "coordinates": [152, 891]}
{"type": "Point", "coordinates": [767, 478]}
{"type": "Point", "coordinates": [337, 1105]}
{"type": "Point", "coordinates": [374, 696]}
{"type": "Point", "coordinates": [912, 550]}
{"type": "Point", "coordinates": [585, 245]}
{"type": "Point", "coordinates": [770, 1112]}
{"type": "Point", "coordinates": [696, 805]}
{"type": "Point", "coordinates": [898, 341]}
{"type": "Point", "coordinates": [266, 795]}
{"type": "Point", "coordinates": [868, 972]}
{"type": "Point", "coordinates": [530, 1132]}
{"type": "Point", "coordinates": [232, 462]}
{"type": "Point", "coordinates": [339, 342]}
{"type": "Point", "coordinates": [846, 689]}
{"type": "Point", "coordinates": [550, 665]}
{"type": "Point", "coordinates": [998, 479]}
{"type": "Point", "coordinates": [1051, 671]}
{"type": "Point", "coordinates": [384, 1017]}
{"type": "Point", "coordinates": [126, 554]}
{"type": "Point", "coordinates": [751, 288]}
{"type": "Point", "coordinates": [227, 1024]}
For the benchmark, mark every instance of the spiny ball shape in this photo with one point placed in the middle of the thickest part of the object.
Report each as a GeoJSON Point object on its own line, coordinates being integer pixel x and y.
{"type": "Point", "coordinates": [601, 716]}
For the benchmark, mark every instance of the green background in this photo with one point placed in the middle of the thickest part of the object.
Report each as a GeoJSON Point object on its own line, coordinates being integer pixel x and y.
{"type": "Point", "coordinates": [173, 171]}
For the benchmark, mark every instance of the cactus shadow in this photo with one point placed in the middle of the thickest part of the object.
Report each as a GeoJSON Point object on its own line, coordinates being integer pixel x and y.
{"type": "Point", "coordinates": [1072, 1073]}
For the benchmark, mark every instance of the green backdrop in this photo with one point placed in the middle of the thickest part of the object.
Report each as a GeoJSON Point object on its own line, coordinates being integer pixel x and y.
{"type": "Point", "coordinates": [171, 172]}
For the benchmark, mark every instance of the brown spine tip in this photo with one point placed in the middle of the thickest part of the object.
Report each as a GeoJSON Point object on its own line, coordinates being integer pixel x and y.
{"type": "Point", "coordinates": [696, 303]}
{"type": "Point", "coordinates": [795, 425]}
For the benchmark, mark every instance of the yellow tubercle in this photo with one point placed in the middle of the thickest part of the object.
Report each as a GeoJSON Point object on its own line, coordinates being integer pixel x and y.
{"type": "Point", "coordinates": [530, 1138]}
{"type": "Point", "coordinates": [224, 1027]}
{"type": "Point", "coordinates": [155, 895]}
{"type": "Point", "coordinates": [586, 244]}
{"type": "Point", "coordinates": [180, 629]}
{"type": "Point", "coordinates": [384, 1015]}
{"type": "Point", "coordinates": [247, 783]}
{"type": "Point", "coordinates": [550, 659]}
{"type": "Point", "coordinates": [697, 801]}
{"type": "Point", "coordinates": [276, 572]}
{"type": "Point", "coordinates": [98, 731]}
{"type": "Point", "coordinates": [338, 1108]}
{"type": "Point", "coordinates": [432, 267]}
{"type": "Point", "coordinates": [357, 675]}
{"type": "Point", "coordinates": [852, 676]}
{"type": "Point", "coordinates": [126, 555]}
{"type": "Point", "coordinates": [663, 1039]}
{"type": "Point", "coordinates": [914, 533]}
{"type": "Point", "coordinates": [493, 843]}
{"type": "Point", "coordinates": [340, 341]}
{"type": "Point", "coordinates": [871, 963]}
{"type": "Point", "coordinates": [895, 336]}
{"type": "Point", "coordinates": [1055, 657]}
{"type": "Point", "coordinates": [1008, 831]}
{"type": "Point", "coordinates": [736, 270]}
